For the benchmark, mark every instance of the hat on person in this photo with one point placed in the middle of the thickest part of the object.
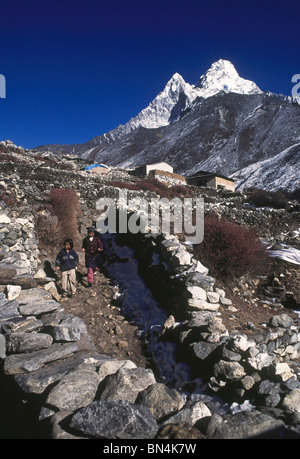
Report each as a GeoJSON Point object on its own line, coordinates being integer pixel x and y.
{"type": "Point", "coordinates": [91, 229]}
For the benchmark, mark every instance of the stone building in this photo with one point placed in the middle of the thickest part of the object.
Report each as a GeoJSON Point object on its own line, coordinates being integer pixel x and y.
{"type": "Point", "coordinates": [146, 168]}
{"type": "Point", "coordinates": [211, 179]}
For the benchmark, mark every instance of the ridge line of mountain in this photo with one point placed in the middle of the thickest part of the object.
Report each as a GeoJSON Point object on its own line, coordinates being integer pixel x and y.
{"type": "Point", "coordinates": [223, 124]}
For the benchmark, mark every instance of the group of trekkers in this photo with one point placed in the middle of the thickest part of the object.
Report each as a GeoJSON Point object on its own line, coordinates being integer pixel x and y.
{"type": "Point", "coordinates": [67, 260]}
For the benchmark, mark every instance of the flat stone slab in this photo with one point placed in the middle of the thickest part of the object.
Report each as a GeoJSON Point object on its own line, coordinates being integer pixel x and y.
{"type": "Point", "coordinates": [8, 310]}
{"type": "Point", "coordinates": [21, 324]}
{"type": "Point", "coordinates": [69, 329]}
{"type": "Point", "coordinates": [39, 307]}
{"type": "Point", "coordinates": [32, 295]}
{"type": "Point", "coordinates": [37, 382]}
{"type": "Point", "coordinates": [7, 271]}
{"type": "Point", "coordinates": [20, 342]}
{"type": "Point", "coordinates": [24, 280]}
{"type": "Point", "coordinates": [24, 363]}
{"type": "Point", "coordinates": [197, 304]}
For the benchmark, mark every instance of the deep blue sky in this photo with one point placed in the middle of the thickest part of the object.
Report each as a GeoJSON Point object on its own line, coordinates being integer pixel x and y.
{"type": "Point", "coordinates": [77, 69]}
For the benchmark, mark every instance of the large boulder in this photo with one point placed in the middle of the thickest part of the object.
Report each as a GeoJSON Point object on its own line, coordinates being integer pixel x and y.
{"type": "Point", "coordinates": [75, 390]}
{"type": "Point", "coordinates": [244, 425]}
{"type": "Point", "coordinates": [115, 419]}
{"type": "Point", "coordinates": [160, 400]}
{"type": "Point", "coordinates": [125, 384]}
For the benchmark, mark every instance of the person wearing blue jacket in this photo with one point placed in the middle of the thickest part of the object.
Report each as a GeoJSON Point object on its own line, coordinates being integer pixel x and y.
{"type": "Point", "coordinates": [67, 260]}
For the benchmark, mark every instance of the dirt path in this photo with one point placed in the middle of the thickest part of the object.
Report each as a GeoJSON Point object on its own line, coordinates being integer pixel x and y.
{"type": "Point", "coordinates": [111, 333]}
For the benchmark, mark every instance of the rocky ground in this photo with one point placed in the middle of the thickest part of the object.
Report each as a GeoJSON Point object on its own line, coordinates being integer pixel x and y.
{"type": "Point", "coordinates": [255, 300]}
{"type": "Point", "coordinates": [26, 177]}
{"type": "Point", "coordinates": [115, 336]}
{"type": "Point", "coordinates": [111, 333]}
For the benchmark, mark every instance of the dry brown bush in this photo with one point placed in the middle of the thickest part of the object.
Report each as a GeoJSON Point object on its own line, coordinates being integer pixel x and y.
{"type": "Point", "coordinates": [230, 250]}
{"type": "Point", "coordinates": [263, 198]}
{"type": "Point", "coordinates": [57, 220]}
{"type": "Point", "coordinates": [65, 206]}
{"type": "Point", "coordinates": [48, 230]}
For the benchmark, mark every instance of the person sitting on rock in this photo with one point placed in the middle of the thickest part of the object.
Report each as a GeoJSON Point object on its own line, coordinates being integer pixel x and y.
{"type": "Point", "coordinates": [67, 260]}
{"type": "Point", "coordinates": [92, 246]}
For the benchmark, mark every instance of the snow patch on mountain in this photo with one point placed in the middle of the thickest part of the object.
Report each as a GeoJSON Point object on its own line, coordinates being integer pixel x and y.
{"type": "Point", "coordinates": [287, 253]}
{"type": "Point", "coordinates": [166, 107]}
{"type": "Point", "coordinates": [281, 171]}
{"type": "Point", "coordinates": [222, 76]}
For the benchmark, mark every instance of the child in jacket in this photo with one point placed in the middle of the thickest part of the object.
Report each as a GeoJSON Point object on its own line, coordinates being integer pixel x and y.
{"type": "Point", "coordinates": [67, 260]}
{"type": "Point", "coordinates": [92, 246]}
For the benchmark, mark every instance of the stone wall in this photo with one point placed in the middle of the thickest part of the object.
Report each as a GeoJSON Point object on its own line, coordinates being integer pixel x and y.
{"type": "Point", "coordinates": [19, 249]}
{"type": "Point", "coordinates": [50, 360]}
{"type": "Point", "coordinates": [195, 324]}
{"type": "Point", "coordinates": [257, 367]}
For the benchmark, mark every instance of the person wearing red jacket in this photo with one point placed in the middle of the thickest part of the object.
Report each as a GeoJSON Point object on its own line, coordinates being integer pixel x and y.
{"type": "Point", "coordinates": [92, 246]}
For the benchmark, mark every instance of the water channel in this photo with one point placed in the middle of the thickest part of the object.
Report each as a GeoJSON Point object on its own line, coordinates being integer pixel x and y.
{"type": "Point", "coordinates": [141, 308]}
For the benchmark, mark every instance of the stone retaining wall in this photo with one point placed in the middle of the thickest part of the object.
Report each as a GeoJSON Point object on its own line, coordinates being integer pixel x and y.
{"type": "Point", "coordinates": [234, 365]}
{"type": "Point", "coordinates": [50, 359]}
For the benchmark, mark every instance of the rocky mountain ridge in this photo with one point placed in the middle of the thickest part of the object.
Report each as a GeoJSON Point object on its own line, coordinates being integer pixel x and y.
{"type": "Point", "coordinates": [224, 124]}
{"type": "Point", "coordinates": [178, 95]}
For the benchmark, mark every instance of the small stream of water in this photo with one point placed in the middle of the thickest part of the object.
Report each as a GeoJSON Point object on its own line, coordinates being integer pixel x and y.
{"type": "Point", "coordinates": [140, 307]}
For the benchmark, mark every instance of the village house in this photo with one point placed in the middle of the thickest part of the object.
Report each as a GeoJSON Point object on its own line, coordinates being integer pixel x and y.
{"type": "Point", "coordinates": [146, 168]}
{"type": "Point", "coordinates": [211, 179]}
{"type": "Point", "coordinates": [167, 177]}
{"type": "Point", "coordinates": [161, 171]}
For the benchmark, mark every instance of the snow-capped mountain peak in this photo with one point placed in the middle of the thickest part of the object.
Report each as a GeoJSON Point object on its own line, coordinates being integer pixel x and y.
{"type": "Point", "coordinates": [178, 95]}
{"type": "Point", "coordinates": [168, 104]}
{"type": "Point", "coordinates": [222, 76]}
{"type": "Point", "coordinates": [166, 108]}
{"type": "Point", "coordinates": [176, 99]}
{"type": "Point", "coordinates": [191, 128]}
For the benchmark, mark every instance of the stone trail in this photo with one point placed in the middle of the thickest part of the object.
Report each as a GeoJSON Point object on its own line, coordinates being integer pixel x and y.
{"type": "Point", "coordinates": [75, 384]}
{"type": "Point", "coordinates": [77, 392]}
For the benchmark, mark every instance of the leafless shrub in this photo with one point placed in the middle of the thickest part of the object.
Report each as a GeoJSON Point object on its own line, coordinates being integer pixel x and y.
{"type": "Point", "coordinates": [230, 250]}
